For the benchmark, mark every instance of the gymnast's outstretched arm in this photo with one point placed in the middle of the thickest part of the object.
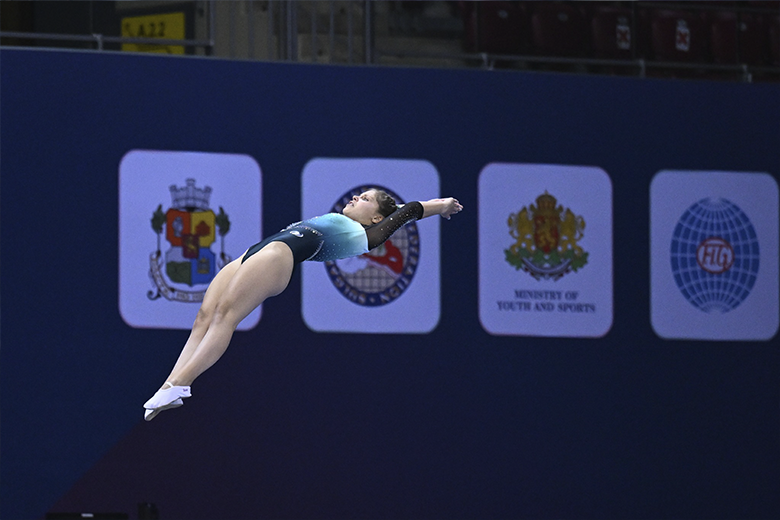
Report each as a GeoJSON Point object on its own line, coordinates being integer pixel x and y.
{"type": "Point", "coordinates": [379, 233]}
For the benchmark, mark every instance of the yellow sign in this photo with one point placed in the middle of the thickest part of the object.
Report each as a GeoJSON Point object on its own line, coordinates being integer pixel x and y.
{"type": "Point", "coordinates": [169, 26]}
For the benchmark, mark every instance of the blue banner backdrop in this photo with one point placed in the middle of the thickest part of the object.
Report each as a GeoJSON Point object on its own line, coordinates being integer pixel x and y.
{"type": "Point", "coordinates": [296, 424]}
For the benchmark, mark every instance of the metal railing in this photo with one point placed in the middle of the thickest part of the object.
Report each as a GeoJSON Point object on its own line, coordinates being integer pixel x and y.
{"type": "Point", "coordinates": [639, 67]}
{"type": "Point", "coordinates": [287, 30]}
{"type": "Point", "coordinates": [291, 25]}
{"type": "Point", "coordinates": [100, 40]}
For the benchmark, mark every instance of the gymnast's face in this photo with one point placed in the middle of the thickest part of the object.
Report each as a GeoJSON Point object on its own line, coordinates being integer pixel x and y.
{"type": "Point", "coordinates": [363, 208]}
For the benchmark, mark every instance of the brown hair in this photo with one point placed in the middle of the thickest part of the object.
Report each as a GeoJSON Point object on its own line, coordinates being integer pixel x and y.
{"type": "Point", "coordinates": [386, 203]}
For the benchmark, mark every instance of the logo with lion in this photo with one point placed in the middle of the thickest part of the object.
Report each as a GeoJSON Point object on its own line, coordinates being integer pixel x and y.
{"type": "Point", "coordinates": [546, 239]}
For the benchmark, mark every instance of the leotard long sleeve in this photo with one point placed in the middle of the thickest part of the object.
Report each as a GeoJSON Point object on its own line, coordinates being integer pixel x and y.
{"type": "Point", "coordinates": [378, 233]}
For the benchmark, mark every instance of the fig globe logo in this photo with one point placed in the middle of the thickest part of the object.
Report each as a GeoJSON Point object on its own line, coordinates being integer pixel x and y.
{"type": "Point", "coordinates": [383, 274]}
{"type": "Point", "coordinates": [715, 255]}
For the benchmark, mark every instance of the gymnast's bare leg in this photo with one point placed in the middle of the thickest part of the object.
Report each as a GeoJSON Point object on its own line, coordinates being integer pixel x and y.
{"type": "Point", "coordinates": [236, 290]}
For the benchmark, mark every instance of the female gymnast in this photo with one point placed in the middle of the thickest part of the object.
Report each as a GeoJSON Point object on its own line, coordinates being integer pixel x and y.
{"type": "Point", "coordinates": [366, 222]}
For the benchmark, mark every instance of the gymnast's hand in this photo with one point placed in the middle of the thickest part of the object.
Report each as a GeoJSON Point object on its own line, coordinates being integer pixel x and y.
{"type": "Point", "coordinates": [444, 207]}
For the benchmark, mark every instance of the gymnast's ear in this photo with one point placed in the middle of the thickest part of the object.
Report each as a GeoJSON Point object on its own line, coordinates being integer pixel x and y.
{"type": "Point", "coordinates": [376, 219]}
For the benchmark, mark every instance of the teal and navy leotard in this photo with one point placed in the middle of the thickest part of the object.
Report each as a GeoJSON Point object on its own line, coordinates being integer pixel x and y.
{"type": "Point", "coordinates": [334, 236]}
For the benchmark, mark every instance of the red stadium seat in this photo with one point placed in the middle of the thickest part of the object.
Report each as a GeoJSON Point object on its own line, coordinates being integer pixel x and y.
{"type": "Point", "coordinates": [612, 33]}
{"type": "Point", "coordinates": [709, 4]}
{"type": "Point", "coordinates": [558, 29]}
{"type": "Point", "coordinates": [738, 38]}
{"type": "Point", "coordinates": [678, 36]}
{"type": "Point", "coordinates": [764, 4]}
{"type": "Point", "coordinates": [774, 40]}
{"type": "Point", "coordinates": [495, 27]}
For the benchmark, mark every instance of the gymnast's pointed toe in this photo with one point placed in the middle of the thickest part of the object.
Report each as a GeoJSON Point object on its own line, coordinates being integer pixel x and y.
{"type": "Point", "coordinates": [166, 396]}
{"type": "Point", "coordinates": [151, 414]}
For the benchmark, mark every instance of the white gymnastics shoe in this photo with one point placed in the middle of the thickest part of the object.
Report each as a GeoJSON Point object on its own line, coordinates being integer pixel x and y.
{"type": "Point", "coordinates": [151, 414]}
{"type": "Point", "coordinates": [165, 396]}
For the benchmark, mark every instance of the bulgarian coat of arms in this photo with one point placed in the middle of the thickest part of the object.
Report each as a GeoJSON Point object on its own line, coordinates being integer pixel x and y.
{"type": "Point", "coordinates": [546, 239]}
{"type": "Point", "coordinates": [191, 227]}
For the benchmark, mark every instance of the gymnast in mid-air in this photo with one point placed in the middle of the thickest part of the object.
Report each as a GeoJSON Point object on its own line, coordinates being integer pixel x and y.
{"type": "Point", "coordinates": [366, 222]}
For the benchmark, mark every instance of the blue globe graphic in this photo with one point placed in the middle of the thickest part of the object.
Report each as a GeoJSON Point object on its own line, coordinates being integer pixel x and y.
{"type": "Point", "coordinates": [715, 255]}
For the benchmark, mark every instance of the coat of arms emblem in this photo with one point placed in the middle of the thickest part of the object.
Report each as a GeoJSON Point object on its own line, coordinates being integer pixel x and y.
{"type": "Point", "coordinates": [546, 239]}
{"type": "Point", "coordinates": [190, 227]}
